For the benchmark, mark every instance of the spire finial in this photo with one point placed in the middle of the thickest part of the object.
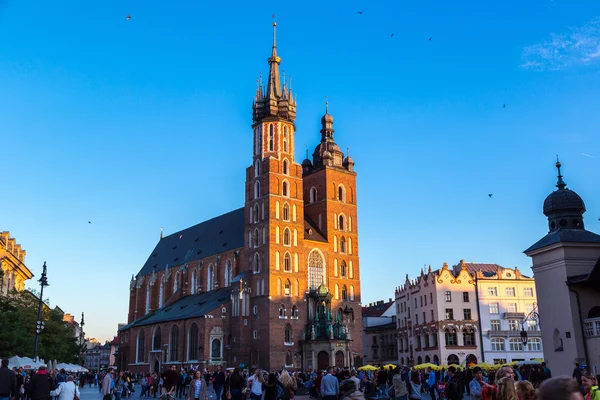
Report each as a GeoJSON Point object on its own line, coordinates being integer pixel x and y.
{"type": "Point", "coordinates": [326, 105]}
{"type": "Point", "coordinates": [161, 232]}
{"type": "Point", "coordinates": [306, 151]}
{"type": "Point", "coordinates": [560, 184]}
{"type": "Point", "coordinates": [274, 32]}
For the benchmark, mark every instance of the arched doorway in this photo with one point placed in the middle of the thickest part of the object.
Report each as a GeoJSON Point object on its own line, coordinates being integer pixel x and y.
{"type": "Point", "coordinates": [594, 312]}
{"type": "Point", "coordinates": [436, 359]}
{"type": "Point", "coordinates": [323, 360]}
{"type": "Point", "coordinates": [339, 359]}
{"type": "Point", "coordinates": [427, 359]}
{"type": "Point", "coordinates": [453, 359]}
{"type": "Point", "coordinates": [156, 366]}
{"type": "Point", "coordinates": [471, 359]}
{"type": "Point", "coordinates": [419, 360]}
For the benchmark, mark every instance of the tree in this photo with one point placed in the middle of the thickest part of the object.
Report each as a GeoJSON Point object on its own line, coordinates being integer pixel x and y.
{"type": "Point", "coordinates": [18, 316]}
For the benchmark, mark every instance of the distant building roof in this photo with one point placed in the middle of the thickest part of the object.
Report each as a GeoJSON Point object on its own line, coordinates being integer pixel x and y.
{"type": "Point", "coordinates": [565, 235]}
{"type": "Point", "coordinates": [473, 268]}
{"type": "Point", "coordinates": [215, 236]}
{"type": "Point", "coordinates": [378, 328]}
{"type": "Point", "coordinates": [377, 309]}
{"type": "Point", "coordinates": [191, 306]}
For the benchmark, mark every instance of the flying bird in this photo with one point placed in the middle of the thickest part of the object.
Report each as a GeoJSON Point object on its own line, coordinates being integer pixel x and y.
{"type": "Point", "coordinates": [392, 35]}
{"type": "Point", "coordinates": [89, 222]}
{"type": "Point", "coordinates": [490, 195]}
{"type": "Point", "coordinates": [128, 17]}
{"type": "Point", "coordinates": [360, 12]}
{"type": "Point", "coordinates": [430, 39]}
{"type": "Point", "coordinates": [503, 105]}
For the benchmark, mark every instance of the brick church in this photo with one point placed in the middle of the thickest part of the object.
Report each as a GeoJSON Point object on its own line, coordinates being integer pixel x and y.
{"type": "Point", "coordinates": [273, 284]}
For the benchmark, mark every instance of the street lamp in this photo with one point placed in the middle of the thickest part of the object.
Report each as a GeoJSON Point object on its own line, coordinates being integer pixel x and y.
{"type": "Point", "coordinates": [40, 323]}
{"type": "Point", "coordinates": [523, 335]}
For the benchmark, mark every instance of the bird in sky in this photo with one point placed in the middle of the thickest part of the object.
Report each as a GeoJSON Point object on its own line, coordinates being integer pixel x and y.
{"type": "Point", "coordinates": [490, 195]}
{"type": "Point", "coordinates": [392, 35]}
{"type": "Point", "coordinates": [360, 12]}
{"type": "Point", "coordinates": [503, 105]}
{"type": "Point", "coordinates": [430, 39]}
{"type": "Point", "coordinates": [128, 17]}
{"type": "Point", "coordinates": [89, 222]}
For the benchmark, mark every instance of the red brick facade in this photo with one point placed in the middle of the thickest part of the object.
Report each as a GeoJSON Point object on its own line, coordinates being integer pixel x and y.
{"type": "Point", "coordinates": [266, 317]}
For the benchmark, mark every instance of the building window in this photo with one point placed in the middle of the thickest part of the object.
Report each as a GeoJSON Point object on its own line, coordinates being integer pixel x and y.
{"type": "Point", "coordinates": [497, 344]}
{"type": "Point", "coordinates": [513, 324]}
{"type": "Point", "coordinates": [294, 312]}
{"type": "Point", "coordinates": [215, 349]}
{"type": "Point", "coordinates": [512, 307]}
{"type": "Point", "coordinates": [534, 344]}
{"type": "Point", "coordinates": [495, 324]}
{"type": "Point", "coordinates": [466, 297]}
{"type": "Point", "coordinates": [510, 291]}
{"type": "Point", "coordinates": [415, 302]}
{"type": "Point", "coordinates": [141, 342]}
{"type": "Point", "coordinates": [288, 334]}
{"type": "Point", "coordinates": [492, 291]}
{"type": "Point", "coordinates": [256, 168]}
{"type": "Point", "coordinates": [255, 334]}
{"type": "Point", "coordinates": [228, 273]}
{"type": "Point", "coordinates": [532, 325]}
{"type": "Point", "coordinates": [424, 317]}
{"type": "Point", "coordinates": [156, 340]}
{"type": "Point", "coordinates": [448, 297]}
{"type": "Point", "coordinates": [431, 298]}
{"type": "Point", "coordinates": [341, 222]}
{"type": "Point", "coordinates": [286, 212]}
{"type": "Point", "coordinates": [417, 323]}
{"type": "Point", "coordinates": [282, 311]}
{"type": "Point", "coordinates": [343, 269]}
{"type": "Point", "coordinates": [528, 292]}
{"type": "Point", "coordinates": [210, 278]}
{"type": "Point", "coordinates": [449, 313]}
{"type": "Point", "coordinates": [255, 241]}
{"type": "Point", "coordinates": [285, 189]}
{"type": "Point", "coordinates": [342, 245]}
{"type": "Point", "coordinates": [174, 344]}
{"type": "Point", "coordinates": [286, 237]}
{"type": "Point", "coordinates": [432, 316]}
{"type": "Point", "coordinates": [256, 214]}
{"type": "Point", "coordinates": [271, 137]}
{"type": "Point", "coordinates": [516, 344]}
{"type": "Point", "coordinates": [193, 342]}
{"type": "Point", "coordinates": [351, 297]}
{"type": "Point", "coordinates": [285, 163]}
{"type": "Point", "coordinates": [468, 338]}
{"type": "Point", "coordinates": [315, 270]}
{"type": "Point", "coordinates": [451, 338]}
{"type": "Point", "coordinates": [255, 310]}
{"type": "Point", "coordinates": [287, 288]}
{"type": "Point", "coordinates": [256, 189]}
{"type": "Point", "coordinates": [341, 193]}
{"type": "Point", "coordinates": [313, 194]}
{"type": "Point", "coordinates": [494, 308]}
{"type": "Point", "coordinates": [467, 314]}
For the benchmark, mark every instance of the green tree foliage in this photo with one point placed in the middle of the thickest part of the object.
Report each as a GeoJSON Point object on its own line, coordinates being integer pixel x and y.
{"type": "Point", "coordinates": [18, 316]}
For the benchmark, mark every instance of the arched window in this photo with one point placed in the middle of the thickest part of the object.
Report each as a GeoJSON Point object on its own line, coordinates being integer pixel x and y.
{"type": "Point", "coordinates": [468, 337]}
{"type": "Point", "coordinates": [156, 340]}
{"type": "Point", "coordinates": [174, 344]}
{"type": "Point", "coordinates": [141, 342]}
{"type": "Point", "coordinates": [343, 269]}
{"type": "Point", "coordinates": [286, 237]}
{"type": "Point", "coordinates": [420, 360]}
{"type": "Point", "coordinates": [516, 344]}
{"type": "Point", "coordinates": [256, 211]}
{"type": "Point", "coordinates": [534, 344]}
{"type": "Point", "coordinates": [285, 139]}
{"type": "Point", "coordinates": [352, 314]}
{"type": "Point", "coordinates": [294, 312]}
{"type": "Point", "coordinates": [282, 311]}
{"type": "Point", "coordinates": [337, 292]}
{"type": "Point", "coordinates": [228, 273]}
{"type": "Point", "coordinates": [451, 337]}
{"type": "Point", "coordinates": [497, 344]}
{"type": "Point", "coordinates": [288, 333]}
{"type": "Point", "coordinates": [287, 262]}
{"type": "Point", "coordinates": [270, 137]}
{"type": "Point", "coordinates": [161, 293]}
{"type": "Point", "coordinates": [256, 189]}
{"type": "Point", "coordinates": [285, 189]}
{"type": "Point", "coordinates": [341, 193]}
{"type": "Point", "coordinates": [176, 282]}
{"type": "Point", "coordinates": [288, 359]}
{"type": "Point", "coordinates": [339, 315]}
{"type": "Point", "coordinates": [285, 165]}
{"type": "Point", "coordinates": [342, 245]}
{"type": "Point", "coordinates": [315, 270]}
{"type": "Point", "coordinates": [297, 288]}
{"type": "Point", "coordinates": [256, 263]}
{"type": "Point", "coordinates": [279, 286]}
{"type": "Point", "coordinates": [147, 298]}
{"type": "Point", "coordinates": [286, 212]}
{"type": "Point", "coordinates": [255, 241]}
{"type": "Point", "coordinates": [287, 288]}
{"type": "Point", "coordinates": [194, 283]}
{"type": "Point", "coordinates": [341, 221]}
{"type": "Point", "coordinates": [313, 194]}
{"type": "Point", "coordinates": [210, 278]}
{"type": "Point", "coordinates": [215, 349]}
{"type": "Point", "coordinates": [344, 293]}
{"type": "Point", "coordinates": [351, 297]}
{"type": "Point", "coordinates": [427, 359]}
{"type": "Point", "coordinates": [193, 342]}
{"type": "Point", "coordinates": [256, 168]}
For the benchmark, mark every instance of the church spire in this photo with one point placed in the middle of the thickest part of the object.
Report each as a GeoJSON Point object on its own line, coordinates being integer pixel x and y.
{"type": "Point", "coordinates": [560, 184]}
{"type": "Point", "coordinates": [274, 84]}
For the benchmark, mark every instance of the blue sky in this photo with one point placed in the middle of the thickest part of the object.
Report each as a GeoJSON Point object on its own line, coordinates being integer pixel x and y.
{"type": "Point", "coordinates": [141, 124]}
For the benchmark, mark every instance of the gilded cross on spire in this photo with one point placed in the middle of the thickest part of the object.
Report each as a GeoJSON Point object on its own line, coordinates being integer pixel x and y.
{"type": "Point", "coordinates": [560, 184]}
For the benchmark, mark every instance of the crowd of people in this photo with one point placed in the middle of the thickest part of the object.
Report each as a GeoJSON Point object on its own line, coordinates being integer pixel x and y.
{"type": "Point", "coordinates": [529, 382]}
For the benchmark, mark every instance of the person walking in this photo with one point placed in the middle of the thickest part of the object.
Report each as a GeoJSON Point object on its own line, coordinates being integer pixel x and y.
{"type": "Point", "coordinates": [8, 382]}
{"type": "Point", "coordinates": [197, 389]}
{"type": "Point", "coordinates": [236, 384]}
{"type": "Point", "coordinates": [40, 385]}
{"type": "Point", "coordinates": [400, 388]}
{"type": "Point", "coordinates": [255, 382]}
{"type": "Point", "coordinates": [219, 381]}
{"type": "Point", "coordinates": [330, 386]}
{"type": "Point", "coordinates": [107, 385]}
{"type": "Point", "coordinates": [66, 390]}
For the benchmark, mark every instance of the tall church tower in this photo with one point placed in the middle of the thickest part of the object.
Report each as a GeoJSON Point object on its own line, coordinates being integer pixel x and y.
{"type": "Point", "coordinates": [274, 218]}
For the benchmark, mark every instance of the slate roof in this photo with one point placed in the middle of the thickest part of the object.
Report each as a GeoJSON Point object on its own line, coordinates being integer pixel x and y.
{"type": "Point", "coordinates": [311, 232]}
{"type": "Point", "coordinates": [215, 236]}
{"type": "Point", "coordinates": [591, 280]}
{"type": "Point", "coordinates": [191, 306]}
{"type": "Point", "coordinates": [377, 328]}
{"type": "Point", "coordinates": [472, 268]}
{"type": "Point", "coordinates": [565, 235]}
{"type": "Point", "coordinates": [377, 309]}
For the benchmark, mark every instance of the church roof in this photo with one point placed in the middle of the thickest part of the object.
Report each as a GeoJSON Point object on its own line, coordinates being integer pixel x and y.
{"type": "Point", "coordinates": [191, 306]}
{"type": "Point", "coordinates": [311, 232]}
{"type": "Point", "coordinates": [565, 235]}
{"type": "Point", "coordinates": [215, 236]}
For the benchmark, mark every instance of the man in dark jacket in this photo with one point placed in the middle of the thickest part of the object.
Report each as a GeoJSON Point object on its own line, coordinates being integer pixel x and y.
{"type": "Point", "coordinates": [8, 382]}
{"type": "Point", "coordinates": [219, 382]}
{"type": "Point", "coordinates": [40, 385]}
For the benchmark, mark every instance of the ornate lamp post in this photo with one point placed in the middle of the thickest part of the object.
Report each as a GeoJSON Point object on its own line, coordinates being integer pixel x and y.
{"type": "Point", "coordinates": [81, 359]}
{"type": "Point", "coordinates": [40, 323]}
{"type": "Point", "coordinates": [533, 316]}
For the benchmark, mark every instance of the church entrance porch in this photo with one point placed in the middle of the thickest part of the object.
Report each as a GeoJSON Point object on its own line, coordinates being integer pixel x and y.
{"type": "Point", "coordinates": [323, 360]}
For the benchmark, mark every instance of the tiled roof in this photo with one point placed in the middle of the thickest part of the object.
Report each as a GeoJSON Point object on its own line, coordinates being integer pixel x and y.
{"type": "Point", "coordinates": [192, 306]}
{"type": "Point", "coordinates": [565, 235]}
{"type": "Point", "coordinates": [311, 232]}
{"type": "Point", "coordinates": [472, 268]}
{"type": "Point", "coordinates": [377, 309]}
{"type": "Point", "coordinates": [215, 236]}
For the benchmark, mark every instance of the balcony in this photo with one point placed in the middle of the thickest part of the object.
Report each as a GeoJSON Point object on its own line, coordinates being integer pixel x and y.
{"type": "Point", "coordinates": [591, 327]}
{"type": "Point", "coordinates": [514, 315]}
{"type": "Point", "coordinates": [514, 333]}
